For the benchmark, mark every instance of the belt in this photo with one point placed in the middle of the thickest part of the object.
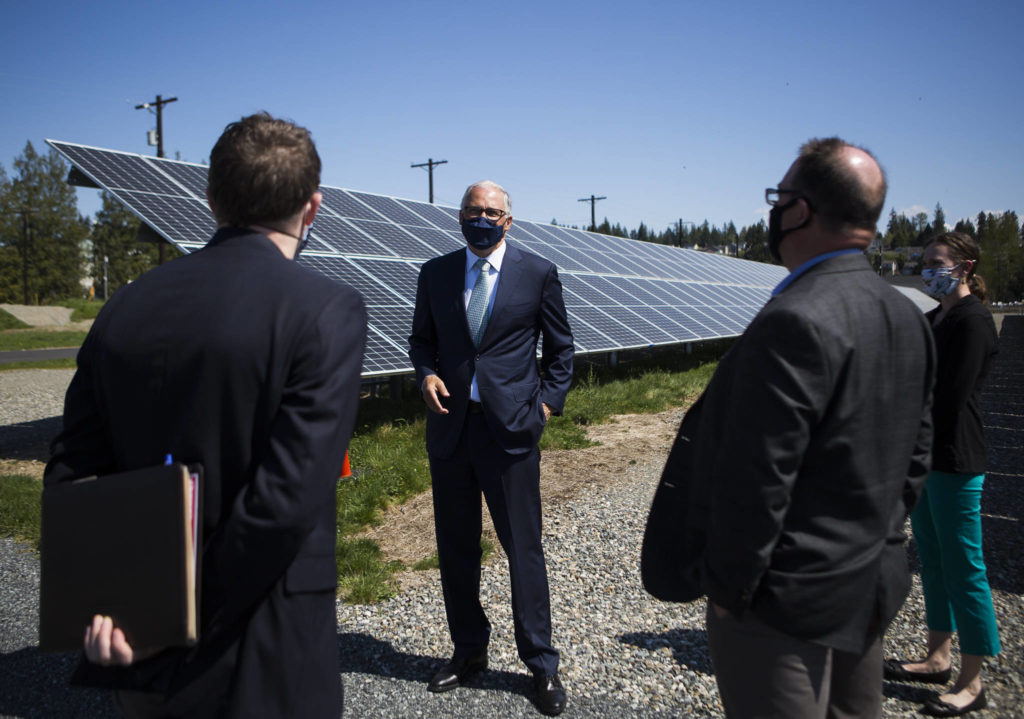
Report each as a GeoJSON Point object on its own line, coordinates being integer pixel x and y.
{"type": "Point", "coordinates": [475, 407]}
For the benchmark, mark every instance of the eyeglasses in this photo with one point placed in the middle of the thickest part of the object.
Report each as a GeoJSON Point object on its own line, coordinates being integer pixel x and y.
{"type": "Point", "coordinates": [492, 213]}
{"type": "Point", "coordinates": [773, 196]}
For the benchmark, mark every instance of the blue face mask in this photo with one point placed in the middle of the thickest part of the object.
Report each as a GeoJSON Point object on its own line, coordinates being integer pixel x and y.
{"type": "Point", "coordinates": [939, 282]}
{"type": "Point", "coordinates": [482, 233]}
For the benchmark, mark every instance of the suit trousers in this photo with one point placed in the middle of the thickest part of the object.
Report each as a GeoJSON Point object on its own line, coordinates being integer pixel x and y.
{"type": "Point", "coordinates": [511, 485]}
{"type": "Point", "coordinates": [947, 529]}
{"type": "Point", "coordinates": [765, 674]}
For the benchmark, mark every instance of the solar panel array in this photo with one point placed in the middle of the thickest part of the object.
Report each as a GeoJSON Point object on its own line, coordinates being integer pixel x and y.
{"type": "Point", "coordinates": [619, 293]}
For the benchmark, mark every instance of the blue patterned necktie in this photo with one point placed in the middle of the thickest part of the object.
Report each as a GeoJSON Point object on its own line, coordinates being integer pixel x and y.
{"type": "Point", "coordinates": [476, 312]}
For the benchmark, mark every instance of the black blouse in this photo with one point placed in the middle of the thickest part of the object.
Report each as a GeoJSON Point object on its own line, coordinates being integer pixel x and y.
{"type": "Point", "coordinates": [966, 342]}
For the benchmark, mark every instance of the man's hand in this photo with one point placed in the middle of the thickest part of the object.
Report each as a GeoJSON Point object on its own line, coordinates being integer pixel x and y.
{"type": "Point", "coordinates": [106, 645]}
{"type": "Point", "coordinates": [547, 411]}
{"type": "Point", "coordinates": [433, 390]}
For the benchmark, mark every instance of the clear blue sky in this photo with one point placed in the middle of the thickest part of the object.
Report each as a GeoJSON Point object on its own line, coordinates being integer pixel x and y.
{"type": "Point", "coordinates": [670, 109]}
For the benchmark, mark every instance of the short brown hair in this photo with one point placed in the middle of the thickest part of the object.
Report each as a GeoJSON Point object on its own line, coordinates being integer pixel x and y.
{"type": "Point", "coordinates": [262, 170]}
{"type": "Point", "coordinates": [837, 195]}
{"type": "Point", "coordinates": [964, 248]}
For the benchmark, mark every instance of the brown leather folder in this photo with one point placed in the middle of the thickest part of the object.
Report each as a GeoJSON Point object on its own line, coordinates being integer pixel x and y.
{"type": "Point", "coordinates": [126, 546]}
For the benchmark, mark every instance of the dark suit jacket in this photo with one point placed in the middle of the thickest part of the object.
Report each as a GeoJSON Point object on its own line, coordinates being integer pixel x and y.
{"type": "Point", "coordinates": [813, 442]}
{"type": "Point", "coordinates": [240, 359]}
{"type": "Point", "coordinates": [528, 302]}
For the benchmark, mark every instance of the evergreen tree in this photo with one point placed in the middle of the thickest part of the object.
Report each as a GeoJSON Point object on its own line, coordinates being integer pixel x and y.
{"type": "Point", "coordinates": [900, 231]}
{"type": "Point", "coordinates": [44, 228]}
{"type": "Point", "coordinates": [114, 236]}
{"type": "Point", "coordinates": [10, 262]}
{"type": "Point", "coordinates": [1001, 260]}
{"type": "Point", "coordinates": [923, 229]}
{"type": "Point", "coordinates": [755, 240]}
{"type": "Point", "coordinates": [939, 223]}
{"type": "Point", "coordinates": [642, 234]}
{"type": "Point", "coordinates": [967, 227]}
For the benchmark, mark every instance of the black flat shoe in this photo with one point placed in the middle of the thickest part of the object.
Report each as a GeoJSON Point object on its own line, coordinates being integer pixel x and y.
{"type": "Point", "coordinates": [550, 694]}
{"type": "Point", "coordinates": [934, 707]}
{"type": "Point", "coordinates": [456, 671]}
{"type": "Point", "coordinates": [893, 670]}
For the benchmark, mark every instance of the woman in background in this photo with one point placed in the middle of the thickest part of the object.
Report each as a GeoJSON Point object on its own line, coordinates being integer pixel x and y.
{"type": "Point", "coordinates": [947, 518]}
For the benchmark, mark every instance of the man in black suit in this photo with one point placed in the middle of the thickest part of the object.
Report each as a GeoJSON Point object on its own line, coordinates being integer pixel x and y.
{"type": "Point", "coordinates": [239, 359]}
{"type": "Point", "coordinates": [813, 439]}
{"type": "Point", "coordinates": [479, 312]}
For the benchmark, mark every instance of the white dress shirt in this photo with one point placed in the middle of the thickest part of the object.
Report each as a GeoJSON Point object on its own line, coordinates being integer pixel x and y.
{"type": "Point", "coordinates": [494, 259]}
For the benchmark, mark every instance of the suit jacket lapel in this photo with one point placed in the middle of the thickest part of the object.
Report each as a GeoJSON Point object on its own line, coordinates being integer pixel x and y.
{"type": "Point", "coordinates": [452, 285]}
{"type": "Point", "coordinates": [508, 280]}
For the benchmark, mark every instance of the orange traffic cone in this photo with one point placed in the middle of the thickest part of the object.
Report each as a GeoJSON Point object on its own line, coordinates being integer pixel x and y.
{"type": "Point", "coordinates": [346, 471]}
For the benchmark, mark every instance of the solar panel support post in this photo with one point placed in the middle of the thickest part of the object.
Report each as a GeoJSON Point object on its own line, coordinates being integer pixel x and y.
{"type": "Point", "coordinates": [592, 200]}
{"type": "Point", "coordinates": [395, 388]}
{"type": "Point", "coordinates": [159, 105]}
{"type": "Point", "coordinates": [613, 359]}
{"type": "Point", "coordinates": [429, 164]}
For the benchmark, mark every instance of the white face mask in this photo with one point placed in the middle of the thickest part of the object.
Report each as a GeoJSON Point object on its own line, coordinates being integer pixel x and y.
{"type": "Point", "coordinates": [939, 281]}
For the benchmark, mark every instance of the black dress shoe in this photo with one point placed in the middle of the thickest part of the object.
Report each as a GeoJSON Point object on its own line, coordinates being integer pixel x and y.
{"type": "Point", "coordinates": [456, 671]}
{"type": "Point", "coordinates": [894, 670]}
{"type": "Point", "coordinates": [934, 707]}
{"type": "Point", "coordinates": [550, 694]}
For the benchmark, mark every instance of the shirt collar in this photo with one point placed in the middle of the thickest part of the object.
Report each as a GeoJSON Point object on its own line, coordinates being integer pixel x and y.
{"type": "Point", "coordinates": [788, 280]}
{"type": "Point", "coordinates": [494, 259]}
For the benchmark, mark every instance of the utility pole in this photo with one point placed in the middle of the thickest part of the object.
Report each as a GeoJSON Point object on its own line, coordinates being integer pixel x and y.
{"type": "Point", "coordinates": [679, 231]}
{"type": "Point", "coordinates": [159, 105]}
{"type": "Point", "coordinates": [592, 200]}
{"type": "Point", "coordinates": [25, 227]}
{"type": "Point", "coordinates": [429, 164]}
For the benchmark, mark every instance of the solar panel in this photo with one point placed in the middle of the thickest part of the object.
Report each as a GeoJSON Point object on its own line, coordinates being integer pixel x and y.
{"type": "Point", "coordinates": [619, 293]}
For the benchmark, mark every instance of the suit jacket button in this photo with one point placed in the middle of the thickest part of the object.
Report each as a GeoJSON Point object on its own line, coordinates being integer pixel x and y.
{"type": "Point", "coordinates": [478, 358]}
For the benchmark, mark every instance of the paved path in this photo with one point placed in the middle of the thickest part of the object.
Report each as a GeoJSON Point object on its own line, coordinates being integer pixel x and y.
{"type": "Point", "coordinates": [9, 356]}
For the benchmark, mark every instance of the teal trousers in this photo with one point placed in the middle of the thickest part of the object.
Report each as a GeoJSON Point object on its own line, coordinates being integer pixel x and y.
{"type": "Point", "coordinates": [947, 529]}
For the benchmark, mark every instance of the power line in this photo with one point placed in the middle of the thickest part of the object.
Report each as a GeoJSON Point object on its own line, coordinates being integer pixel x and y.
{"type": "Point", "coordinates": [430, 164]}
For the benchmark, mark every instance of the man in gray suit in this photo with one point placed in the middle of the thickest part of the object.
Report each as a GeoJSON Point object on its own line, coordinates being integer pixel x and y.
{"type": "Point", "coordinates": [813, 439]}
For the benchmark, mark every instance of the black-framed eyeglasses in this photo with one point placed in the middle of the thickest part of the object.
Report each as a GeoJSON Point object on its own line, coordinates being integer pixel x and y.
{"type": "Point", "coordinates": [773, 196]}
{"type": "Point", "coordinates": [474, 211]}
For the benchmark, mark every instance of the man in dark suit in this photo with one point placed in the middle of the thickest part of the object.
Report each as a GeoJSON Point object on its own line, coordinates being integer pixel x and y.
{"type": "Point", "coordinates": [239, 359]}
{"type": "Point", "coordinates": [812, 441]}
{"type": "Point", "coordinates": [479, 312]}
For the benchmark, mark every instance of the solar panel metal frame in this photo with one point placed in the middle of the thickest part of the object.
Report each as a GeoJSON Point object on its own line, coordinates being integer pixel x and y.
{"type": "Point", "coordinates": [621, 294]}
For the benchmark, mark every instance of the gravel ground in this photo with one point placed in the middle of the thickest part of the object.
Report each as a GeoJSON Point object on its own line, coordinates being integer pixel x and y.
{"type": "Point", "coordinates": [623, 654]}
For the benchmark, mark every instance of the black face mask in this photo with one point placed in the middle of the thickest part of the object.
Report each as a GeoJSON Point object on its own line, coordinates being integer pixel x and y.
{"type": "Point", "coordinates": [775, 232]}
{"type": "Point", "coordinates": [482, 233]}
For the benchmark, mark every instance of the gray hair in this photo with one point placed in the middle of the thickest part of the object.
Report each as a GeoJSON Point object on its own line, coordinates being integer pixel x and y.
{"type": "Point", "coordinates": [487, 185]}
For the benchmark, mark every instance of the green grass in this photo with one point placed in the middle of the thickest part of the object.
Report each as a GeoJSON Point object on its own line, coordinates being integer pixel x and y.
{"type": "Point", "coordinates": [20, 507]}
{"type": "Point", "coordinates": [61, 363]}
{"type": "Point", "coordinates": [363, 575]}
{"type": "Point", "coordinates": [10, 322]}
{"type": "Point", "coordinates": [389, 463]}
{"type": "Point", "coordinates": [40, 339]}
{"type": "Point", "coordinates": [83, 309]}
